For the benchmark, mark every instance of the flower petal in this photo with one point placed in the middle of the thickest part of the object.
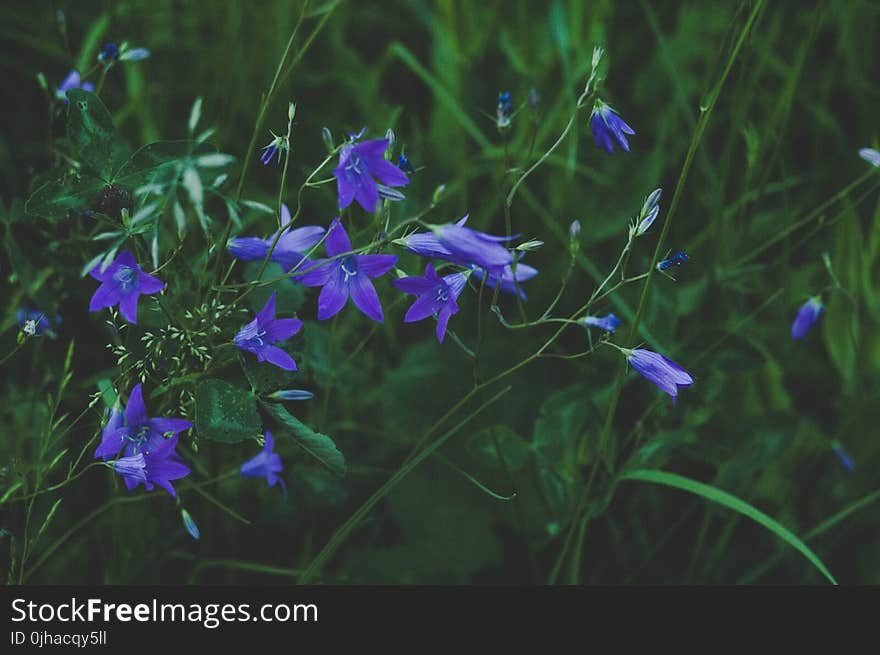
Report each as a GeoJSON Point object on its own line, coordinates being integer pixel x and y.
{"type": "Point", "coordinates": [364, 295]}
{"type": "Point", "coordinates": [337, 241]}
{"type": "Point", "coordinates": [282, 329]}
{"type": "Point", "coordinates": [278, 357]}
{"type": "Point", "coordinates": [375, 265]}
{"type": "Point", "coordinates": [136, 410]}
{"type": "Point", "coordinates": [333, 297]}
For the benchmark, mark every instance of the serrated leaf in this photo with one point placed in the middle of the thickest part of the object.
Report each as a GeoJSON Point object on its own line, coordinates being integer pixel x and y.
{"type": "Point", "coordinates": [226, 413]}
{"type": "Point", "coordinates": [318, 445]}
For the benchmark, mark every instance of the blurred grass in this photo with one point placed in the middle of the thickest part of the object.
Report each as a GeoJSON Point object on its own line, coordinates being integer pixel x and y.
{"type": "Point", "coordinates": [754, 216]}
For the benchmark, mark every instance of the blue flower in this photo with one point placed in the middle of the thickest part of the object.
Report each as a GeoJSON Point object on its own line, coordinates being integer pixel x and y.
{"type": "Point", "coordinates": [870, 155]}
{"type": "Point", "coordinates": [437, 296]}
{"type": "Point", "coordinates": [656, 368]}
{"type": "Point", "coordinates": [510, 282]}
{"type": "Point", "coordinates": [608, 323]}
{"type": "Point", "coordinates": [289, 251]}
{"type": "Point", "coordinates": [134, 433]}
{"type": "Point", "coordinates": [259, 335]}
{"type": "Point", "coordinates": [359, 163]}
{"type": "Point", "coordinates": [845, 459]}
{"type": "Point", "coordinates": [34, 323]}
{"type": "Point", "coordinates": [122, 283]}
{"type": "Point", "coordinates": [807, 315]}
{"type": "Point", "coordinates": [72, 81]}
{"type": "Point", "coordinates": [472, 248]}
{"type": "Point", "coordinates": [190, 524]}
{"type": "Point", "coordinates": [650, 210]}
{"type": "Point", "coordinates": [273, 150]}
{"type": "Point", "coordinates": [291, 394]}
{"type": "Point", "coordinates": [134, 54]}
{"type": "Point", "coordinates": [503, 110]}
{"type": "Point", "coordinates": [266, 464]}
{"type": "Point", "coordinates": [404, 164]}
{"type": "Point", "coordinates": [109, 52]}
{"type": "Point", "coordinates": [678, 259]}
{"type": "Point", "coordinates": [608, 127]}
{"type": "Point", "coordinates": [347, 276]}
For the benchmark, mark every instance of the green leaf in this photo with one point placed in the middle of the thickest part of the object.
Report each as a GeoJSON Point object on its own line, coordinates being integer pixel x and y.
{"type": "Point", "coordinates": [318, 445]}
{"type": "Point", "coordinates": [226, 413]}
{"type": "Point", "coordinates": [732, 502]}
{"type": "Point", "coordinates": [48, 518]}
{"type": "Point", "coordinates": [73, 192]}
{"type": "Point", "coordinates": [90, 130]}
{"type": "Point", "coordinates": [158, 162]}
{"type": "Point", "coordinates": [514, 448]}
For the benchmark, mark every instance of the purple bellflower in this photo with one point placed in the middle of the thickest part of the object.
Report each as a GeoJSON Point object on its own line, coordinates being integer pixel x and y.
{"type": "Point", "coordinates": [807, 315]}
{"type": "Point", "coordinates": [509, 281]}
{"type": "Point", "coordinates": [290, 249]}
{"type": "Point", "coordinates": [109, 52]}
{"type": "Point", "coordinates": [870, 155]}
{"type": "Point", "coordinates": [348, 276]}
{"type": "Point", "coordinates": [267, 464]}
{"type": "Point", "coordinates": [122, 283]}
{"type": "Point", "coordinates": [678, 259]}
{"type": "Point", "coordinates": [609, 127]}
{"type": "Point", "coordinates": [660, 370]}
{"type": "Point", "coordinates": [135, 434]}
{"type": "Point", "coordinates": [359, 163]}
{"type": "Point", "coordinates": [259, 335]}
{"type": "Point", "coordinates": [437, 296]}
{"type": "Point", "coordinates": [472, 248]}
{"type": "Point", "coordinates": [34, 323]}
{"type": "Point", "coordinates": [608, 323]}
{"type": "Point", "coordinates": [72, 81]}
{"type": "Point", "coordinates": [273, 150]}
{"type": "Point", "coordinates": [427, 244]}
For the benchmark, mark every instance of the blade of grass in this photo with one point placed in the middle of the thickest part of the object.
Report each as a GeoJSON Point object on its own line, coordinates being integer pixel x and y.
{"type": "Point", "coordinates": [731, 502]}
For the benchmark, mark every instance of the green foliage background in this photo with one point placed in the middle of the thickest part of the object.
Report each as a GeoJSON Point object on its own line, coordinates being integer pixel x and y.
{"type": "Point", "coordinates": [775, 183]}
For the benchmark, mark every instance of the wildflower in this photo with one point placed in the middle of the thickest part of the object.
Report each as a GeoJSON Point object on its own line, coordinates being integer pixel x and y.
{"type": "Point", "coordinates": [131, 467]}
{"type": "Point", "coordinates": [190, 524]}
{"type": "Point", "coordinates": [678, 259]}
{"type": "Point", "coordinates": [359, 163]}
{"type": "Point", "coordinates": [274, 149]}
{"type": "Point", "coordinates": [135, 434]}
{"type": "Point", "coordinates": [845, 459]}
{"type": "Point", "coordinates": [72, 81]}
{"type": "Point", "coordinates": [427, 244]}
{"type": "Point", "coordinates": [34, 323]}
{"type": "Point", "coordinates": [437, 296]}
{"type": "Point", "coordinates": [503, 110]}
{"type": "Point", "coordinates": [123, 282]}
{"type": "Point", "coordinates": [656, 368]}
{"type": "Point", "coordinates": [291, 394]}
{"type": "Point", "coordinates": [808, 314]}
{"type": "Point", "coordinates": [870, 155]}
{"type": "Point", "coordinates": [134, 54]}
{"type": "Point", "coordinates": [266, 464]}
{"type": "Point", "coordinates": [259, 335]}
{"type": "Point", "coordinates": [404, 164]}
{"type": "Point", "coordinates": [288, 252]}
{"type": "Point", "coordinates": [608, 323]}
{"type": "Point", "coordinates": [649, 212]}
{"type": "Point", "coordinates": [509, 281]}
{"type": "Point", "coordinates": [347, 276]}
{"type": "Point", "coordinates": [473, 248]}
{"type": "Point", "coordinates": [109, 53]}
{"type": "Point", "coordinates": [609, 127]}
